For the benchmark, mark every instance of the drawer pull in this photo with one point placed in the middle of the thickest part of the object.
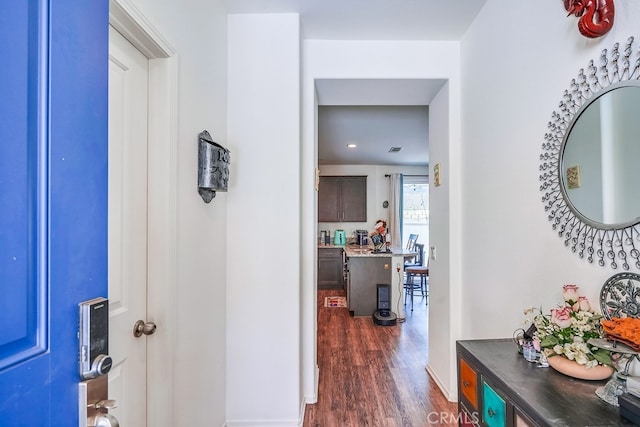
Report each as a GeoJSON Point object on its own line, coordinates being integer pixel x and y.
{"type": "Point", "coordinates": [491, 412]}
{"type": "Point", "coordinates": [465, 383]}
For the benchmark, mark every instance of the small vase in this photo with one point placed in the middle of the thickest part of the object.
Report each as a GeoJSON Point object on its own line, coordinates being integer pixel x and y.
{"type": "Point", "coordinates": [573, 369]}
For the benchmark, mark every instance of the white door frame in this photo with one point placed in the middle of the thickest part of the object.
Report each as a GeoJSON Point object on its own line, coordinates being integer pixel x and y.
{"type": "Point", "coordinates": [162, 205]}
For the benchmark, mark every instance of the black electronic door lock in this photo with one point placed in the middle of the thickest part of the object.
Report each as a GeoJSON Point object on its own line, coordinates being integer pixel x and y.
{"type": "Point", "coordinates": [94, 359]}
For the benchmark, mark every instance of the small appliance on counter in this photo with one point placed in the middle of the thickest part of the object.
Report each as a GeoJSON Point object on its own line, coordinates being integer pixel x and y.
{"type": "Point", "coordinates": [325, 237]}
{"type": "Point", "coordinates": [339, 238]}
{"type": "Point", "coordinates": [362, 237]}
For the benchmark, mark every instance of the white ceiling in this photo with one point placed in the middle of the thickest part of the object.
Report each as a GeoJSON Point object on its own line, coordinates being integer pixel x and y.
{"type": "Point", "coordinates": [377, 91]}
{"type": "Point", "coordinates": [376, 115]}
{"type": "Point", "coordinates": [371, 19]}
{"type": "Point", "coordinates": [375, 129]}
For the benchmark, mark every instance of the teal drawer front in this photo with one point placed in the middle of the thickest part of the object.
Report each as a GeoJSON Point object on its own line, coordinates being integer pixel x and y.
{"type": "Point", "coordinates": [494, 408]}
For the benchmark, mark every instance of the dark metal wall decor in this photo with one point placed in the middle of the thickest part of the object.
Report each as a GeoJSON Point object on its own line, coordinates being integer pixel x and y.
{"type": "Point", "coordinates": [620, 296]}
{"type": "Point", "coordinates": [213, 167]}
{"type": "Point", "coordinates": [596, 16]}
{"type": "Point", "coordinates": [611, 242]}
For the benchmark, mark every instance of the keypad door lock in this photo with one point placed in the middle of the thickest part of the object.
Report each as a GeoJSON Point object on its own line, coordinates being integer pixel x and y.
{"type": "Point", "coordinates": [94, 364]}
{"type": "Point", "coordinates": [94, 359]}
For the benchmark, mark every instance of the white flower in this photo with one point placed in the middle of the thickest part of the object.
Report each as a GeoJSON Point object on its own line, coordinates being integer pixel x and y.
{"type": "Point", "coordinates": [570, 293]}
{"type": "Point", "coordinates": [581, 358]}
{"type": "Point", "coordinates": [568, 352]}
{"type": "Point", "coordinates": [592, 363]}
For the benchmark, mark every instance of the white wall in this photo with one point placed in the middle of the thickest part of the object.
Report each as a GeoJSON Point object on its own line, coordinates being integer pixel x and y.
{"type": "Point", "coordinates": [397, 60]}
{"type": "Point", "coordinates": [263, 240]}
{"type": "Point", "coordinates": [197, 31]}
{"type": "Point", "coordinates": [444, 236]}
{"type": "Point", "coordinates": [516, 63]}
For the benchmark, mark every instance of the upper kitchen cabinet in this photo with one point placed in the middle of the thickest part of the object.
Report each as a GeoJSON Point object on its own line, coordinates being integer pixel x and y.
{"type": "Point", "coordinates": [342, 199]}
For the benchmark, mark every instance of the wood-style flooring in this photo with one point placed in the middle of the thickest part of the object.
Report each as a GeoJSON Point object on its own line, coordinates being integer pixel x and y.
{"type": "Point", "coordinates": [375, 375]}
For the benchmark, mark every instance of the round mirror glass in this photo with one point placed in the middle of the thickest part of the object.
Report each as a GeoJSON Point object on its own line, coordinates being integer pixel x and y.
{"type": "Point", "coordinates": [599, 159]}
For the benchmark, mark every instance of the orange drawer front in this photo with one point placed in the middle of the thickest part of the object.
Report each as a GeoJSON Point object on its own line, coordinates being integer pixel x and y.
{"type": "Point", "coordinates": [468, 383]}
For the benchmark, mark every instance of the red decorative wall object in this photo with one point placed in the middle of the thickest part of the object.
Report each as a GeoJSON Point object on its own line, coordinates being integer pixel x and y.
{"type": "Point", "coordinates": [596, 16]}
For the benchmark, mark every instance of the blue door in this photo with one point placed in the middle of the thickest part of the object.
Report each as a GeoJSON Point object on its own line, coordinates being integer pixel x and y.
{"type": "Point", "coordinates": [53, 199]}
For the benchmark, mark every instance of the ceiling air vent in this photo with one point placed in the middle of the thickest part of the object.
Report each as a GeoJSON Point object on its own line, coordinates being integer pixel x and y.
{"type": "Point", "coordinates": [394, 149]}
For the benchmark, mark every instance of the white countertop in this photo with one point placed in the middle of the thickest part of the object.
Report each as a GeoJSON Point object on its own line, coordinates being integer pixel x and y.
{"type": "Point", "coordinates": [353, 251]}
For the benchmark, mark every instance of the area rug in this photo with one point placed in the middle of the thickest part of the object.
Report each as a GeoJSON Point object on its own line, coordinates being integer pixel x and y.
{"type": "Point", "coordinates": [335, 302]}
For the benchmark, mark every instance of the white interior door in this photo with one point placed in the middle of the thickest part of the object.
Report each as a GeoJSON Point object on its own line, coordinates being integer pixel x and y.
{"type": "Point", "coordinates": [128, 138]}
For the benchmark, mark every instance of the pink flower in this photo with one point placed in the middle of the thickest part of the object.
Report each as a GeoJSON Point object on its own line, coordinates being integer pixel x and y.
{"type": "Point", "coordinates": [570, 293]}
{"type": "Point", "coordinates": [582, 304]}
{"type": "Point", "coordinates": [561, 317]}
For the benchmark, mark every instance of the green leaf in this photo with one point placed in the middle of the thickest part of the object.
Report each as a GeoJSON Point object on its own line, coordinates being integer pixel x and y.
{"type": "Point", "coordinates": [603, 356]}
{"type": "Point", "coordinates": [549, 341]}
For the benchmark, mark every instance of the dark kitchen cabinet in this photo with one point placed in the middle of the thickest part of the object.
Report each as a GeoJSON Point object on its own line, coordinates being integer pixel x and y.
{"type": "Point", "coordinates": [330, 268]}
{"type": "Point", "coordinates": [342, 199]}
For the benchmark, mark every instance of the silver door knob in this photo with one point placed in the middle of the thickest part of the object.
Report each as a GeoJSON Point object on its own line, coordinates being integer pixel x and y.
{"type": "Point", "coordinates": [141, 328]}
{"type": "Point", "coordinates": [103, 420]}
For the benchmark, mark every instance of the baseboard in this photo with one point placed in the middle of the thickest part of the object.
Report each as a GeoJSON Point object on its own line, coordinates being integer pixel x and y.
{"type": "Point", "coordinates": [303, 406]}
{"type": "Point", "coordinates": [282, 423]}
{"type": "Point", "coordinates": [310, 399]}
{"type": "Point", "coordinates": [449, 395]}
{"type": "Point", "coordinates": [316, 384]}
{"type": "Point", "coordinates": [263, 423]}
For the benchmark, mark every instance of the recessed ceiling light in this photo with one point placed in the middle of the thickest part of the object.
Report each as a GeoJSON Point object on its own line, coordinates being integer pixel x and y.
{"type": "Point", "coordinates": [351, 145]}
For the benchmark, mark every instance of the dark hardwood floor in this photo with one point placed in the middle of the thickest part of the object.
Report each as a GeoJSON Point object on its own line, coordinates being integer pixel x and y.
{"type": "Point", "coordinates": [375, 375]}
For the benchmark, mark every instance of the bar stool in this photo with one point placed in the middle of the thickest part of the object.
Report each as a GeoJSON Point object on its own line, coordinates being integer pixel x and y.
{"type": "Point", "coordinates": [410, 287]}
{"type": "Point", "coordinates": [418, 260]}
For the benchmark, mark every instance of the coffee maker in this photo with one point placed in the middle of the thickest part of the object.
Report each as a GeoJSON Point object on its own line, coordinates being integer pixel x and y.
{"type": "Point", "coordinates": [362, 237]}
{"type": "Point", "coordinates": [325, 237]}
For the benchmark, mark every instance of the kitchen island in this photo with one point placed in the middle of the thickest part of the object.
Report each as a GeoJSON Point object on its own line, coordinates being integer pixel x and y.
{"type": "Point", "coordinates": [366, 269]}
{"type": "Point", "coordinates": [362, 270]}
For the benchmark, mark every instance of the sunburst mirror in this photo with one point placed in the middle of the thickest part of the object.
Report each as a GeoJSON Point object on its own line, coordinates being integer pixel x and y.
{"type": "Point", "coordinates": [588, 164]}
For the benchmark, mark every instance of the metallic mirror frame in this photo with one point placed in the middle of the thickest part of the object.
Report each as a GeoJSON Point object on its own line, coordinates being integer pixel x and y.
{"type": "Point", "coordinates": [608, 244]}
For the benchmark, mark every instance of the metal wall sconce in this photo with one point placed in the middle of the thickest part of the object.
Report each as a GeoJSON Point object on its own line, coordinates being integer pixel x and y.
{"type": "Point", "coordinates": [213, 167]}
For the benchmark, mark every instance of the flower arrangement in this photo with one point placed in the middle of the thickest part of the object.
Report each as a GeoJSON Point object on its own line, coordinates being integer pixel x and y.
{"type": "Point", "coordinates": [568, 328]}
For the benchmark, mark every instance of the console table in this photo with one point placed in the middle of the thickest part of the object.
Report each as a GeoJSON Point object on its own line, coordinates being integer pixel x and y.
{"type": "Point", "coordinates": [498, 387]}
